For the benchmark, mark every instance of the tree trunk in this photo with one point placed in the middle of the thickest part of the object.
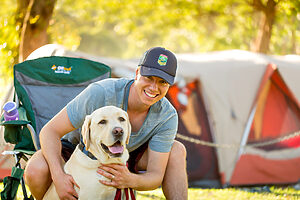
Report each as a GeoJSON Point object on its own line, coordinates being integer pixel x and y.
{"type": "Point", "coordinates": [294, 41]}
{"type": "Point", "coordinates": [262, 41]}
{"type": "Point", "coordinates": [34, 17]}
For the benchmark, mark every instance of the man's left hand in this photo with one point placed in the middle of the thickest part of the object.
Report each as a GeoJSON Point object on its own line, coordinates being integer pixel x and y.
{"type": "Point", "coordinates": [119, 175]}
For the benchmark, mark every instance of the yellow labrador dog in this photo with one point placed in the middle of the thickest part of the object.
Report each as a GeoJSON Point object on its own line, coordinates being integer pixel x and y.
{"type": "Point", "coordinates": [105, 134]}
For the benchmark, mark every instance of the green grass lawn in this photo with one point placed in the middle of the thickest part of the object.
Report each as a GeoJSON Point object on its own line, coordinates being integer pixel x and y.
{"type": "Point", "coordinates": [229, 194]}
{"type": "Point", "coordinates": [256, 193]}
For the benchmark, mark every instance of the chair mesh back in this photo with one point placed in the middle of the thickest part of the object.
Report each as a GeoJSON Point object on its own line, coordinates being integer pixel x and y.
{"type": "Point", "coordinates": [45, 85]}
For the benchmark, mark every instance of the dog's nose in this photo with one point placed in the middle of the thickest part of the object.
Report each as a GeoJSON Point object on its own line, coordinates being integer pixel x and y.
{"type": "Point", "coordinates": [117, 132]}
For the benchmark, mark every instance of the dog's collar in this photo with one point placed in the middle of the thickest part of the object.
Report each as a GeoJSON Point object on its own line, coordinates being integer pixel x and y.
{"type": "Point", "coordinates": [89, 154]}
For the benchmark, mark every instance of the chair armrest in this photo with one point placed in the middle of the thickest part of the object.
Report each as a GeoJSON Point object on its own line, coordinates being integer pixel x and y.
{"type": "Point", "coordinates": [34, 137]}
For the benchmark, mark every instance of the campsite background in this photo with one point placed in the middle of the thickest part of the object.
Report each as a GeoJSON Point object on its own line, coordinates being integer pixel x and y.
{"type": "Point", "coordinates": [125, 29]}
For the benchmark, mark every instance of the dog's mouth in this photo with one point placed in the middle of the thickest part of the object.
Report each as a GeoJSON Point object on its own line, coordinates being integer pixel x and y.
{"type": "Point", "coordinates": [115, 150]}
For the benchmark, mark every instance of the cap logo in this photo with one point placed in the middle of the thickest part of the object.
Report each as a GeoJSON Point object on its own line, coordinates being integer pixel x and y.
{"type": "Point", "coordinates": [162, 60]}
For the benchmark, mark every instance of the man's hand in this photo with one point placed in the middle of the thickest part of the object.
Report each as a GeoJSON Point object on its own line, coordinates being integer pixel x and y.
{"type": "Point", "coordinates": [119, 175]}
{"type": "Point", "coordinates": [65, 187]}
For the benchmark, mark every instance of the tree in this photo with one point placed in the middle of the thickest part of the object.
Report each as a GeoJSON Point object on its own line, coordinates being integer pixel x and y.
{"type": "Point", "coordinates": [286, 29]}
{"type": "Point", "coordinates": [126, 28]}
{"type": "Point", "coordinates": [33, 17]}
{"type": "Point", "coordinates": [262, 41]}
{"type": "Point", "coordinates": [9, 40]}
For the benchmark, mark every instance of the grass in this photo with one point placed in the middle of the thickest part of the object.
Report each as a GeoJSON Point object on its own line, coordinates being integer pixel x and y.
{"type": "Point", "coordinates": [254, 193]}
{"type": "Point", "coordinates": [230, 193]}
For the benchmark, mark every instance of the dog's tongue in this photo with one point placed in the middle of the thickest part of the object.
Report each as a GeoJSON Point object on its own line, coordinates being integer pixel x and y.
{"type": "Point", "coordinates": [116, 148]}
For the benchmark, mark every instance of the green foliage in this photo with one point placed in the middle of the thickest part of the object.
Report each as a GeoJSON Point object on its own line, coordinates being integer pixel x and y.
{"type": "Point", "coordinates": [126, 28]}
{"type": "Point", "coordinates": [286, 37]}
{"type": "Point", "coordinates": [9, 40]}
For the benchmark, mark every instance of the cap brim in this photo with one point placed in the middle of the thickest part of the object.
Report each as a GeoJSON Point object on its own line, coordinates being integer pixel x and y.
{"type": "Point", "coordinates": [147, 71]}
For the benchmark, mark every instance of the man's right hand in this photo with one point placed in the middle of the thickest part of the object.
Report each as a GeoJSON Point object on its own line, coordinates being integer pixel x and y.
{"type": "Point", "coordinates": [50, 136]}
{"type": "Point", "coordinates": [65, 187]}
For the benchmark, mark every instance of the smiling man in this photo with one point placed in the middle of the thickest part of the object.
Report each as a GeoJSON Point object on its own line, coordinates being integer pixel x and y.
{"type": "Point", "coordinates": [152, 147]}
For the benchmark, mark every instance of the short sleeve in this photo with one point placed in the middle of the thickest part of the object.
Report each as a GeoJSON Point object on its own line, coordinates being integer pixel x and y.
{"type": "Point", "coordinates": [163, 140]}
{"type": "Point", "coordinates": [85, 103]}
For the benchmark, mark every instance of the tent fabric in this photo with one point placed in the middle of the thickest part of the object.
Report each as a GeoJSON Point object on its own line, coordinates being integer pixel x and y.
{"type": "Point", "coordinates": [229, 83]}
{"type": "Point", "coordinates": [226, 80]}
{"type": "Point", "coordinates": [193, 122]}
{"type": "Point", "coordinates": [277, 114]}
{"type": "Point", "coordinates": [267, 171]}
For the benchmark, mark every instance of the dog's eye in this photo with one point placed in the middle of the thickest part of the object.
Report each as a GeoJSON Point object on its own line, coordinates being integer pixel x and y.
{"type": "Point", "coordinates": [121, 119]}
{"type": "Point", "coordinates": [103, 121]}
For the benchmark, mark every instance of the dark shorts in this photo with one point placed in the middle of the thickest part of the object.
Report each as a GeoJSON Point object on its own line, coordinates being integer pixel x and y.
{"type": "Point", "coordinates": [67, 149]}
{"type": "Point", "coordinates": [134, 156]}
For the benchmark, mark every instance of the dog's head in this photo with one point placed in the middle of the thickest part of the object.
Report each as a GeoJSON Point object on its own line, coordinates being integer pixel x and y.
{"type": "Point", "coordinates": [105, 134]}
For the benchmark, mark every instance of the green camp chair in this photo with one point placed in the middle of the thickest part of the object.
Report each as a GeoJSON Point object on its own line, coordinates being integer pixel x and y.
{"type": "Point", "coordinates": [42, 88]}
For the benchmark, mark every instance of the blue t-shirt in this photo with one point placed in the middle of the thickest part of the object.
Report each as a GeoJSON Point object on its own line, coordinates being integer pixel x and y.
{"type": "Point", "coordinates": [159, 127]}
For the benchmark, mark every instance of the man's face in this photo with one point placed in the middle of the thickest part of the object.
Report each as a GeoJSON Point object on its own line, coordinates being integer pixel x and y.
{"type": "Point", "coordinates": [150, 89]}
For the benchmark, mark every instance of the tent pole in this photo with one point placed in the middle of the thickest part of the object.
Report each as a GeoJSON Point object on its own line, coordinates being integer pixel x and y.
{"type": "Point", "coordinates": [246, 133]}
{"type": "Point", "coordinates": [244, 140]}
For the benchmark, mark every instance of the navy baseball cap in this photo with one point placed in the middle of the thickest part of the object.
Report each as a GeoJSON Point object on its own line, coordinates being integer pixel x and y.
{"type": "Point", "coordinates": [159, 62]}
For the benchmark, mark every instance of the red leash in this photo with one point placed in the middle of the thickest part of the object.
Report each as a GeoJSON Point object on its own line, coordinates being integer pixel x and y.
{"type": "Point", "coordinates": [118, 195]}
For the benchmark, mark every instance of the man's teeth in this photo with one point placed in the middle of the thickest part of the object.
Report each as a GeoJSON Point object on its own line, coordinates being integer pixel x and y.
{"type": "Point", "coordinates": [150, 95]}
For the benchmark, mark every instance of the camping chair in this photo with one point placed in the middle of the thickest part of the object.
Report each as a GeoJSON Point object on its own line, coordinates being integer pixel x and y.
{"type": "Point", "coordinates": [42, 88]}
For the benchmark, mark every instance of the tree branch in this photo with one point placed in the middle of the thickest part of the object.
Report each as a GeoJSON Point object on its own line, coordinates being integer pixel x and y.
{"type": "Point", "coordinates": [257, 4]}
{"type": "Point", "coordinates": [25, 22]}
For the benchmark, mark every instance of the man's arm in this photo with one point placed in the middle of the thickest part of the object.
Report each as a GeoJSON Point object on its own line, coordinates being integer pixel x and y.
{"type": "Point", "coordinates": [151, 179]}
{"type": "Point", "coordinates": [50, 136]}
{"type": "Point", "coordinates": [154, 174]}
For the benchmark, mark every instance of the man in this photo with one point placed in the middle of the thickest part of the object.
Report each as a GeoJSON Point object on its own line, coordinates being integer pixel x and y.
{"type": "Point", "coordinates": [152, 146]}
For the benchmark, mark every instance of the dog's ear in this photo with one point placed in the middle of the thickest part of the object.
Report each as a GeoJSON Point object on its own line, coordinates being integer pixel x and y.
{"type": "Point", "coordinates": [128, 128]}
{"type": "Point", "coordinates": [85, 131]}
